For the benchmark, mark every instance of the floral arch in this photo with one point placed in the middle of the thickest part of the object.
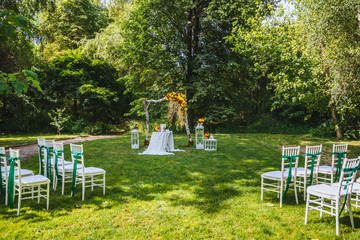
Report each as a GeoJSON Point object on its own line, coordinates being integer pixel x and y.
{"type": "Point", "coordinates": [171, 96]}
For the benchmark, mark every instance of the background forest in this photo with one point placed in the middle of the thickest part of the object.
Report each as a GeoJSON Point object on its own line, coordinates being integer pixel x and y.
{"type": "Point", "coordinates": [244, 65]}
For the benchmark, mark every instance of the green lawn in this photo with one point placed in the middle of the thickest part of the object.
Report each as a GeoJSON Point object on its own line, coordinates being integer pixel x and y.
{"type": "Point", "coordinates": [189, 195]}
{"type": "Point", "coordinates": [17, 139]}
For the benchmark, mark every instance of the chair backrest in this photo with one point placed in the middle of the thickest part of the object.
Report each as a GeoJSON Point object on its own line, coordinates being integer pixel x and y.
{"type": "Point", "coordinates": [41, 142]}
{"type": "Point", "coordinates": [348, 174]}
{"type": "Point", "coordinates": [338, 154]}
{"type": "Point", "coordinates": [290, 155]}
{"type": "Point", "coordinates": [310, 152]}
{"type": "Point", "coordinates": [3, 160]}
{"type": "Point", "coordinates": [59, 148]}
{"type": "Point", "coordinates": [77, 152]}
{"type": "Point", "coordinates": [15, 154]}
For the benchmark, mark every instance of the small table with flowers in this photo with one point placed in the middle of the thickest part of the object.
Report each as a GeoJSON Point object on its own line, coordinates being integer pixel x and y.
{"type": "Point", "coordinates": [161, 143]}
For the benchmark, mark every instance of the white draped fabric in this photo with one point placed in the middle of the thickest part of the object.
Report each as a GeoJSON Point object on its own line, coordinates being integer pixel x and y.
{"type": "Point", "coordinates": [161, 143]}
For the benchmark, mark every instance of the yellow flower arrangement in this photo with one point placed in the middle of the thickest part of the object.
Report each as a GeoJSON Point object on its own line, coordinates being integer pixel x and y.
{"type": "Point", "coordinates": [201, 121]}
{"type": "Point", "coordinates": [157, 129]}
{"type": "Point", "coordinates": [177, 97]}
{"type": "Point", "coordinates": [207, 135]}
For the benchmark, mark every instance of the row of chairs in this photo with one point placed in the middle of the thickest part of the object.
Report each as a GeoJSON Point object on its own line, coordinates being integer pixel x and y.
{"type": "Point", "coordinates": [53, 164]}
{"type": "Point", "coordinates": [53, 168]}
{"type": "Point", "coordinates": [21, 182]}
{"type": "Point", "coordinates": [318, 182]}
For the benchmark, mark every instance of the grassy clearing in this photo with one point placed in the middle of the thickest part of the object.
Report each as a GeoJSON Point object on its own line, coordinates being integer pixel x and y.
{"type": "Point", "coordinates": [16, 139]}
{"type": "Point", "coordinates": [190, 195]}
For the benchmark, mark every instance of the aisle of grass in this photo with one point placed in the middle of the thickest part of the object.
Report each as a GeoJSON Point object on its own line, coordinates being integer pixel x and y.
{"type": "Point", "coordinates": [189, 195]}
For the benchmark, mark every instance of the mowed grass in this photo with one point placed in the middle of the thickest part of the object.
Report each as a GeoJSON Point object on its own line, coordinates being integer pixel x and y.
{"type": "Point", "coordinates": [190, 195]}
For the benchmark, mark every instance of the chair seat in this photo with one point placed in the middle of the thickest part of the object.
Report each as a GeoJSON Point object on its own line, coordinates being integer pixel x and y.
{"type": "Point", "coordinates": [60, 162]}
{"type": "Point", "coordinates": [301, 171]}
{"type": "Point", "coordinates": [356, 188]}
{"type": "Point", "coordinates": [275, 175]}
{"type": "Point", "coordinates": [33, 180]}
{"type": "Point", "coordinates": [69, 168]}
{"type": "Point", "coordinates": [91, 171]}
{"type": "Point", "coordinates": [326, 169]}
{"type": "Point", "coordinates": [3, 169]}
{"type": "Point", "coordinates": [24, 172]}
{"type": "Point", "coordinates": [326, 191]}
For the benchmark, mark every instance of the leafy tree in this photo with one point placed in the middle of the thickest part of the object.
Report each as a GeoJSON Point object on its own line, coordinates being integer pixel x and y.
{"type": "Point", "coordinates": [58, 119]}
{"type": "Point", "coordinates": [9, 21]}
{"type": "Point", "coordinates": [70, 21]}
{"type": "Point", "coordinates": [88, 89]}
{"type": "Point", "coordinates": [179, 45]}
{"type": "Point", "coordinates": [311, 59]}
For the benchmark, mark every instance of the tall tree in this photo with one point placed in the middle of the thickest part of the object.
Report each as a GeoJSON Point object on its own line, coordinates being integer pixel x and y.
{"type": "Point", "coordinates": [69, 22]}
{"type": "Point", "coordinates": [311, 59]}
{"type": "Point", "coordinates": [180, 46]}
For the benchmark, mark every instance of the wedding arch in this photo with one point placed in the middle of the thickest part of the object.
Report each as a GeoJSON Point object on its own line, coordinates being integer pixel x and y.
{"type": "Point", "coordinates": [171, 96]}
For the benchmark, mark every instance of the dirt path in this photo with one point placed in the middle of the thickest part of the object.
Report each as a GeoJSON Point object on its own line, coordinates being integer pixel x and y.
{"type": "Point", "coordinates": [26, 151]}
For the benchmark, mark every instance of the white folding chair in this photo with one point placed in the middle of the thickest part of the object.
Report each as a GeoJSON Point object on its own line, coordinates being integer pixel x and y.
{"type": "Point", "coordinates": [87, 176]}
{"type": "Point", "coordinates": [5, 172]}
{"type": "Point", "coordinates": [25, 187]}
{"type": "Point", "coordinates": [279, 181]}
{"type": "Point", "coordinates": [62, 172]}
{"type": "Point", "coordinates": [330, 174]}
{"type": "Point", "coordinates": [332, 199]}
{"type": "Point", "coordinates": [307, 175]}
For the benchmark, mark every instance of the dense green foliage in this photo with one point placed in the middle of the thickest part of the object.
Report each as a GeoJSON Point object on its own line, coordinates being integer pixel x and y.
{"type": "Point", "coordinates": [194, 194]}
{"type": "Point", "coordinates": [241, 63]}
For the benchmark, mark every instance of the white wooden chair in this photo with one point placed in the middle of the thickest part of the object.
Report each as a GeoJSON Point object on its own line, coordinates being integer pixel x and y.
{"type": "Point", "coordinates": [307, 175]}
{"type": "Point", "coordinates": [87, 176]}
{"type": "Point", "coordinates": [5, 172]}
{"type": "Point", "coordinates": [279, 181]}
{"type": "Point", "coordinates": [332, 199]}
{"type": "Point", "coordinates": [330, 174]}
{"type": "Point", "coordinates": [62, 172]}
{"type": "Point", "coordinates": [49, 160]}
{"type": "Point", "coordinates": [25, 187]}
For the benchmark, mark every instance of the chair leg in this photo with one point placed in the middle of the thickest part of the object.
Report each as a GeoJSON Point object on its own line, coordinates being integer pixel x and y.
{"type": "Point", "coordinates": [350, 212]}
{"type": "Point", "coordinates": [63, 184]}
{"type": "Point", "coordinates": [337, 216]}
{"type": "Point", "coordinates": [307, 208]}
{"type": "Point", "coordinates": [92, 183]}
{"type": "Point", "coordinates": [83, 188]}
{"type": "Point", "coordinates": [281, 193]}
{"type": "Point", "coordinates": [6, 193]}
{"type": "Point", "coordinates": [47, 196]}
{"type": "Point", "coordinates": [295, 190]}
{"type": "Point", "coordinates": [304, 187]}
{"type": "Point", "coordinates": [19, 201]}
{"type": "Point", "coordinates": [104, 184]}
{"type": "Point", "coordinates": [262, 188]}
{"type": "Point", "coordinates": [54, 181]}
{"type": "Point", "coordinates": [322, 206]}
{"type": "Point", "coordinates": [39, 193]}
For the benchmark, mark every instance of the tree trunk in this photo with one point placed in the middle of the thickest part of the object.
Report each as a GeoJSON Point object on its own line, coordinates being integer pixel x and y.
{"type": "Point", "coordinates": [332, 110]}
{"type": "Point", "coordinates": [146, 106]}
{"type": "Point", "coordinates": [336, 123]}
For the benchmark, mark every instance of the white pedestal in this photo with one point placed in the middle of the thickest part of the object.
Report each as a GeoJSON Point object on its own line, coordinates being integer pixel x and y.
{"type": "Point", "coordinates": [210, 144]}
